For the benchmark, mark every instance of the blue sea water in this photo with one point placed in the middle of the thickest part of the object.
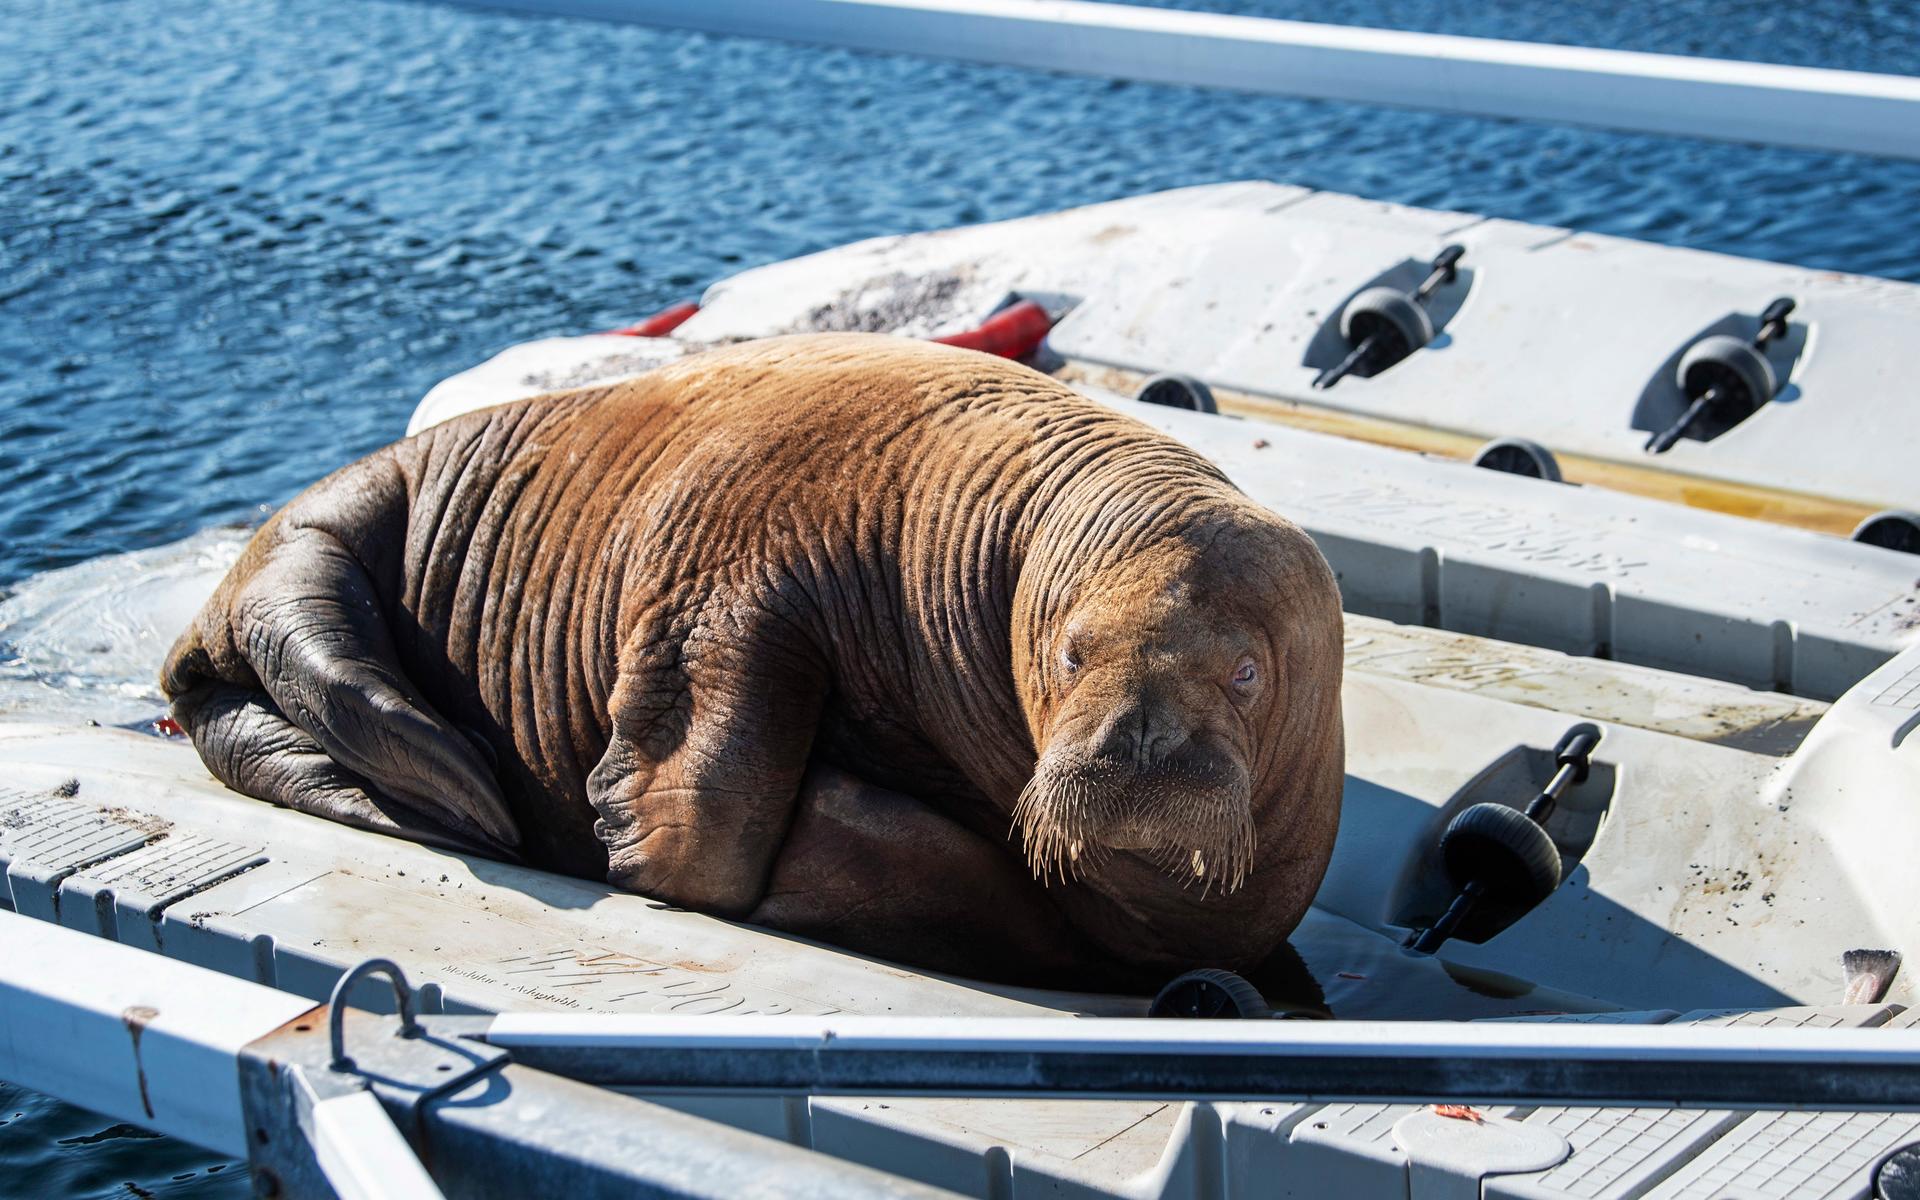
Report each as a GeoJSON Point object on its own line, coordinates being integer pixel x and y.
{"type": "Point", "coordinates": [240, 238]}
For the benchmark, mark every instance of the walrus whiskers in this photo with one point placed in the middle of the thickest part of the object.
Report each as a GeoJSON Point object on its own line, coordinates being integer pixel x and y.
{"type": "Point", "coordinates": [1062, 814]}
{"type": "Point", "coordinates": [1051, 818]}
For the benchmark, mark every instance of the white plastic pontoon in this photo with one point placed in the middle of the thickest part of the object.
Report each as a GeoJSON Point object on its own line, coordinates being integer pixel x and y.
{"type": "Point", "coordinates": [1746, 816]}
{"type": "Point", "coordinates": [1565, 338]}
{"type": "Point", "coordinates": [1233, 283]}
{"type": "Point", "coordinates": [1728, 844]}
{"type": "Point", "coordinates": [1732, 900]}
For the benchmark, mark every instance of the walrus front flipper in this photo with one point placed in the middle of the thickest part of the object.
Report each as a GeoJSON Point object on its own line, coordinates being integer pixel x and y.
{"type": "Point", "coordinates": [249, 746]}
{"type": "Point", "coordinates": [711, 734]}
{"type": "Point", "coordinates": [884, 874]}
{"type": "Point", "coordinates": [306, 626]}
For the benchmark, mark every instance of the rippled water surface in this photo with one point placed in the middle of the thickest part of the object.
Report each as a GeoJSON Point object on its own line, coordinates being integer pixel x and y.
{"type": "Point", "coordinates": [239, 238]}
{"type": "Point", "coordinates": [50, 1150]}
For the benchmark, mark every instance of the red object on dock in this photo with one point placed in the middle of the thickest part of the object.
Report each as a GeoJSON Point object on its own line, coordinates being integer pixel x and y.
{"type": "Point", "coordinates": [1013, 332]}
{"type": "Point", "coordinates": [661, 323]}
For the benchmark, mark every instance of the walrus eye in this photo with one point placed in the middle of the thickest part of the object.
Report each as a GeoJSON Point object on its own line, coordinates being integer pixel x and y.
{"type": "Point", "coordinates": [1244, 675]}
{"type": "Point", "coordinates": [1069, 661]}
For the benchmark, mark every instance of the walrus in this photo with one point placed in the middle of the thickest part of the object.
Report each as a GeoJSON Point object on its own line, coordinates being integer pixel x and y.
{"type": "Point", "coordinates": [877, 642]}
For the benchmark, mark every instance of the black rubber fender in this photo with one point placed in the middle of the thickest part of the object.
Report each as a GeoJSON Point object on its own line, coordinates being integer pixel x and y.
{"type": "Point", "coordinates": [1389, 313]}
{"type": "Point", "coordinates": [1177, 391]}
{"type": "Point", "coordinates": [1518, 456]}
{"type": "Point", "coordinates": [1505, 851]}
{"type": "Point", "coordinates": [1741, 373]}
{"type": "Point", "coordinates": [1891, 529]}
{"type": "Point", "coordinates": [1209, 993]}
{"type": "Point", "coordinates": [1898, 1175]}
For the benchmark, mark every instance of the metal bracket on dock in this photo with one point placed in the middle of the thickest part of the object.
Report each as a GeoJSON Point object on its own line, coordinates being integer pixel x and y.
{"type": "Point", "coordinates": [350, 1104]}
{"type": "Point", "coordinates": [323, 1120]}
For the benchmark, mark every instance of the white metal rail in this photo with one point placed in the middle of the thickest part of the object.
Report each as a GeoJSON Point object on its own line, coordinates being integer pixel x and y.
{"type": "Point", "coordinates": [362, 1155]}
{"type": "Point", "coordinates": [135, 1036]}
{"type": "Point", "coordinates": [1807, 107]}
{"type": "Point", "coordinates": [326, 1112]}
{"type": "Point", "coordinates": [1571, 1063]}
{"type": "Point", "coordinates": [339, 1108]}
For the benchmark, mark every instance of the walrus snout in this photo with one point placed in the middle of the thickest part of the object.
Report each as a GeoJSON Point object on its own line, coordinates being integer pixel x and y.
{"type": "Point", "coordinates": [1189, 813]}
{"type": "Point", "coordinates": [1143, 732]}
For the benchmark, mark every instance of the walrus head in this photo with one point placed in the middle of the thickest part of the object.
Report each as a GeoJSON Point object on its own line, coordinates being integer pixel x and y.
{"type": "Point", "coordinates": [1182, 688]}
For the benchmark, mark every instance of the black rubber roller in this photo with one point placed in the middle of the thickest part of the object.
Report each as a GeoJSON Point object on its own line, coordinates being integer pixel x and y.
{"type": "Point", "coordinates": [1894, 529]}
{"type": "Point", "coordinates": [1738, 371]}
{"type": "Point", "coordinates": [1389, 314]}
{"type": "Point", "coordinates": [1898, 1175]}
{"type": "Point", "coordinates": [1505, 851]}
{"type": "Point", "coordinates": [1209, 993]}
{"type": "Point", "coordinates": [1518, 456]}
{"type": "Point", "coordinates": [1177, 391]}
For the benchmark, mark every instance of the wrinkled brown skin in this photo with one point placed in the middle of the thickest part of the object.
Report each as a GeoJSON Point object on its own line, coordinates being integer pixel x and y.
{"type": "Point", "coordinates": [779, 633]}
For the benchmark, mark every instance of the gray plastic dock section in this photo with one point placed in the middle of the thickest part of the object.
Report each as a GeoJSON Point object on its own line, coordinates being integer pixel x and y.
{"type": "Point", "coordinates": [1566, 338]}
{"type": "Point", "coordinates": [123, 836]}
{"type": "Point", "coordinates": [1419, 540]}
{"type": "Point", "coordinates": [1428, 541]}
{"type": "Point", "coordinates": [1436, 720]}
{"type": "Point", "coordinates": [983, 1148]}
{"type": "Point", "coordinates": [1569, 339]}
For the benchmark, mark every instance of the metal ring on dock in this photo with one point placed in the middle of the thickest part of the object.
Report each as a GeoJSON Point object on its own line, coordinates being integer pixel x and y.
{"type": "Point", "coordinates": [337, 1007]}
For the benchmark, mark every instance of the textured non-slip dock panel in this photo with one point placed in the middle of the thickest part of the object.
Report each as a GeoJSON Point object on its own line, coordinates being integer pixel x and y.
{"type": "Point", "coordinates": [1617, 1152]}
{"type": "Point", "coordinates": [58, 834]}
{"type": "Point", "coordinates": [175, 865]}
{"type": "Point", "coordinates": [1903, 692]}
{"type": "Point", "coordinates": [1826, 1016]}
{"type": "Point", "coordinates": [323, 896]}
{"type": "Point", "coordinates": [1792, 1156]}
{"type": "Point", "coordinates": [1356, 1125]}
{"type": "Point", "coordinates": [1349, 1150]}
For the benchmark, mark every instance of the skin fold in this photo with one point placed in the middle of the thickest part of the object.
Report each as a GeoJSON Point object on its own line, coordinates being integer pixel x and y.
{"type": "Point", "coordinates": [888, 644]}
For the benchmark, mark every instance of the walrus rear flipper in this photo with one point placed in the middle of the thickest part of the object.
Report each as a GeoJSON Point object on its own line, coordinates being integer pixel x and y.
{"type": "Point", "coordinates": [252, 748]}
{"type": "Point", "coordinates": [303, 643]}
